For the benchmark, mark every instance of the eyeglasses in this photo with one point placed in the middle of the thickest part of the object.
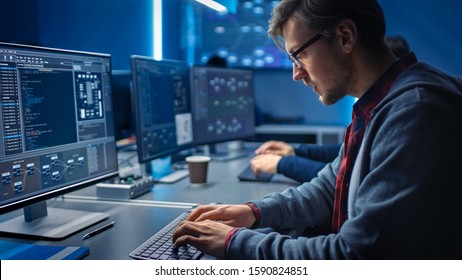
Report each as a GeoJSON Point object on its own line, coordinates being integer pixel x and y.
{"type": "Point", "coordinates": [293, 56]}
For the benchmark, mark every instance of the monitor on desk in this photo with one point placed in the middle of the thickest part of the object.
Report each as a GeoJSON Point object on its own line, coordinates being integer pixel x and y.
{"type": "Point", "coordinates": [124, 121]}
{"type": "Point", "coordinates": [57, 136]}
{"type": "Point", "coordinates": [161, 103]}
{"type": "Point", "coordinates": [223, 106]}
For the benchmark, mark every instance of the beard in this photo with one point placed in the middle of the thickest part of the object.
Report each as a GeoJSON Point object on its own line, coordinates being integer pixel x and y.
{"type": "Point", "coordinates": [331, 98]}
{"type": "Point", "coordinates": [341, 82]}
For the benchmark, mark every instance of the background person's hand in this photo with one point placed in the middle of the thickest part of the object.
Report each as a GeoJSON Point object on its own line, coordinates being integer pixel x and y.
{"type": "Point", "coordinates": [275, 147]}
{"type": "Point", "coordinates": [267, 163]}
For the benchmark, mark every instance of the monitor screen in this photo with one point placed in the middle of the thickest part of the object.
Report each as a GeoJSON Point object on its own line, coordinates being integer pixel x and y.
{"type": "Point", "coordinates": [223, 104]}
{"type": "Point", "coordinates": [57, 127]}
{"type": "Point", "coordinates": [161, 105]}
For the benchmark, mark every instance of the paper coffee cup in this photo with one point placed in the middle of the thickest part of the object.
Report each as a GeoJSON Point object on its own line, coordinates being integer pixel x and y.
{"type": "Point", "coordinates": [198, 166]}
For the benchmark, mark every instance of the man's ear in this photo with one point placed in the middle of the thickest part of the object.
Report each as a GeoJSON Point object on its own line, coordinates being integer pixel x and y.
{"type": "Point", "coordinates": [348, 35]}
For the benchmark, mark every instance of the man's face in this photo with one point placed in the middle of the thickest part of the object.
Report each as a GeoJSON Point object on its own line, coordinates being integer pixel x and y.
{"type": "Point", "coordinates": [323, 65]}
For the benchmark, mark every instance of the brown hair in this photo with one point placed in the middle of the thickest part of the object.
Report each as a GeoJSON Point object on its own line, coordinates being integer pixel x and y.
{"type": "Point", "coordinates": [325, 15]}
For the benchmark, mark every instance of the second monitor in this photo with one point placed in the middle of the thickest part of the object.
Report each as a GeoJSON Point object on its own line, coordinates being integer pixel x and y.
{"type": "Point", "coordinates": [223, 106]}
{"type": "Point", "coordinates": [162, 107]}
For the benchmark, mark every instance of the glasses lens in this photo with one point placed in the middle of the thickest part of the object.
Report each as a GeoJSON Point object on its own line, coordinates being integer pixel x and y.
{"type": "Point", "coordinates": [294, 61]}
{"type": "Point", "coordinates": [293, 56]}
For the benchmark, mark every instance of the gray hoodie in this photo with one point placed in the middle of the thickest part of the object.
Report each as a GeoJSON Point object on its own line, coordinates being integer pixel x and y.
{"type": "Point", "coordinates": [405, 194]}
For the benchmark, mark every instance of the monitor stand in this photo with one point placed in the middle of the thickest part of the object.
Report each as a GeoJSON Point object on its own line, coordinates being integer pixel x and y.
{"type": "Point", "coordinates": [227, 153]}
{"type": "Point", "coordinates": [162, 171]}
{"type": "Point", "coordinates": [173, 176]}
{"type": "Point", "coordinates": [41, 222]}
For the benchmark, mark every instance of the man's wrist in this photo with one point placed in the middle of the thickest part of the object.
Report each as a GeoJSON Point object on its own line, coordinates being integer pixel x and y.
{"type": "Point", "coordinates": [229, 236]}
{"type": "Point", "coordinates": [255, 212]}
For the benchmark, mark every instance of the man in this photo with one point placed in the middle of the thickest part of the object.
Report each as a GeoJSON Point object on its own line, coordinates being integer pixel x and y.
{"type": "Point", "coordinates": [302, 163]}
{"type": "Point", "coordinates": [394, 191]}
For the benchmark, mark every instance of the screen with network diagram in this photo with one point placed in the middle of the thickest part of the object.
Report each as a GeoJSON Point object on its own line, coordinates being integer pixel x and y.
{"type": "Point", "coordinates": [223, 104]}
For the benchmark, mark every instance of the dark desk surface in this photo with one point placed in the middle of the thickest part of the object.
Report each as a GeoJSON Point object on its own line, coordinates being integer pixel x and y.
{"type": "Point", "coordinates": [223, 186]}
{"type": "Point", "coordinates": [138, 219]}
{"type": "Point", "coordinates": [134, 224]}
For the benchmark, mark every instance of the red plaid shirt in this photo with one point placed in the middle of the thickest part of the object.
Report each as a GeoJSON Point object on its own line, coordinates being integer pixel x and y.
{"type": "Point", "coordinates": [355, 133]}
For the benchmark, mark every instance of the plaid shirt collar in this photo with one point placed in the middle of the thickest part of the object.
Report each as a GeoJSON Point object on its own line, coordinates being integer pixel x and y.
{"type": "Point", "coordinates": [377, 92]}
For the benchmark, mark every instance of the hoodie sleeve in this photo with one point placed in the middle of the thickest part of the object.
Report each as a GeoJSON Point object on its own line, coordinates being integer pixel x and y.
{"type": "Point", "coordinates": [323, 153]}
{"type": "Point", "coordinates": [299, 168]}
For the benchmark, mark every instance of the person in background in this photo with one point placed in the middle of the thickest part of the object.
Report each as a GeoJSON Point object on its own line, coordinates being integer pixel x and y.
{"type": "Point", "coordinates": [217, 61]}
{"type": "Point", "coordinates": [394, 190]}
{"type": "Point", "coordinates": [300, 163]}
{"type": "Point", "coordinates": [397, 44]}
{"type": "Point", "coordinates": [303, 162]}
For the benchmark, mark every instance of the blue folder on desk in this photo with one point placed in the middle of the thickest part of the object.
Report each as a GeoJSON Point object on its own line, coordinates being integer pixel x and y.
{"type": "Point", "coordinates": [24, 251]}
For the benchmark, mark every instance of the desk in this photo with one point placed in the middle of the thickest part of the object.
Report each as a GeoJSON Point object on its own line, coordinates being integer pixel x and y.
{"type": "Point", "coordinates": [223, 186]}
{"type": "Point", "coordinates": [138, 219]}
{"type": "Point", "coordinates": [134, 224]}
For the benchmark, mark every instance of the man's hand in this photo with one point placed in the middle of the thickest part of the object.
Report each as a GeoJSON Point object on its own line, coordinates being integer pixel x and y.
{"type": "Point", "coordinates": [207, 236]}
{"type": "Point", "coordinates": [233, 215]}
{"type": "Point", "coordinates": [207, 226]}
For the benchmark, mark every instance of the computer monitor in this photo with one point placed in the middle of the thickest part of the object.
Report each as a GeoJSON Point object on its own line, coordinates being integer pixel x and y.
{"type": "Point", "coordinates": [124, 121]}
{"type": "Point", "coordinates": [57, 136]}
{"type": "Point", "coordinates": [161, 103]}
{"type": "Point", "coordinates": [223, 106]}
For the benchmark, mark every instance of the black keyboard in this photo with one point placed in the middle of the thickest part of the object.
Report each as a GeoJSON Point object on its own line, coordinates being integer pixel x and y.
{"type": "Point", "coordinates": [248, 175]}
{"type": "Point", "coordinates": [160, 246]}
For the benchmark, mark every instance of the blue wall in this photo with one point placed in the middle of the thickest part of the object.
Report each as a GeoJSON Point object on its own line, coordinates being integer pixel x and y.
{"type": "Point", "coordinates": [432, 29]}
{"type": "Point", "coordinates": [117, 27]}
{"type": "Point", "coordinates": [124, 27]}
